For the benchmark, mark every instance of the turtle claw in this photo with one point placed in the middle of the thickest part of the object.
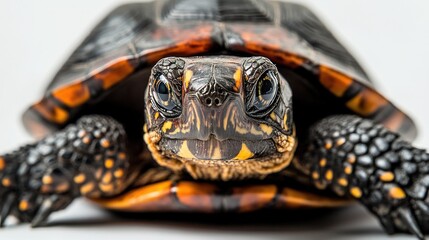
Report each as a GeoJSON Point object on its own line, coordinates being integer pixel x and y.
{"type": "Point", "coordinates": [43, 213]}
{"type": "Point", "coordinates": [7, 206]}
{"type": "Point", "coordinates": [49, 205]}
{"type": "Point", "coordinates": [410, 222]}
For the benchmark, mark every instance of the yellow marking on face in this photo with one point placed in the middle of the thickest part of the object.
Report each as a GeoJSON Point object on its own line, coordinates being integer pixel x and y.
{"type": "Point", "coordinates": [197, 118]}
{"type": "Point", "coordinates": [167, 126]}
{"type": "Point", "coordinates": [273, 116]}
{"type": "Point", "coordinates": [187, 79]}
{"type": "Point", "coordinates": [343, 182]}
{"type": "Point", "coordinates": [241, 130]}
{"type": "Point", "coordinates": [6, 182]}
{"type": "Point", "coordinates": [387, 177]}
{"type": "Point", "coordinates": [348, 170]}
{"type": "Point", "coordinates": [266, 129]}
{"type": "Point", "coordinates": [356, 192]}
{"type": "Point", "coordinates": [184, 151]}
{"type": "Point", "coordinates": [315, 175]}
{"type": "Point", "coordinates": [79, 178]}
{"type": "Point", "coordinates": [255, 131]}
{"type": "Point", "coordinates": [118, 173]}
{"type": "Point", "coordinates": [47, 180]}
{"type": "Point", "coordinates": [85, 189]}
{"type": "Point", "coordinates": [244, 153]}
{"type": "Point", "coordinates": [145, 128]}
{"type": "Point", "coordinates": [23, 205]}
{"type": "Point", "coordinates": [285, 122]}
{"type": "Point", "coordinates": [237, 78]}
{"type": "Point", "coordinates": [322, 162]}
{"type": "Point", "coordinates": [216, 153]}
{"type": "Point", "coordinates": [329, 175]}
{"type": "Point", "coordinates": [109, 163]}
{"type": "Point", "coordinates": [2, 163]}
{"type": "Point", "coordinates": [177, 130]}
{"type": "Point", "coordinates": [156, 116]}
{"type": "Point", "coordinates": [227, 117]}
{"type": "Point", "coordinates": [340, 141]}
{"type": "Point", "coordinates": [397, 193]}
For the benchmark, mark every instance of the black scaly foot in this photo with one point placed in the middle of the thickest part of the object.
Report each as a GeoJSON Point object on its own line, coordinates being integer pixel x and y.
{"type": "Point", "coordinates": [358, 158]}
{"type": "Point", "coordinates": [87, 159]}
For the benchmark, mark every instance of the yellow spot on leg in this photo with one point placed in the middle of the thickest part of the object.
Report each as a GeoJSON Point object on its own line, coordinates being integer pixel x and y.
{"type": "Point", "coordinates": [351, 158]}
{"type": "Point", "coordinates": [109, 163]}
{"type": "Point", "coordinates": [244, 153]}
{"type": "Point", "coordinates": [397, 193]}
{"type": "Point", "coordinates": [122, 156]}
{"type": "Point", "coordinates": [387, 177]}
{"type": "Point", "coordinates": [356, 192]}
{"type": "Point", "coordinates": [343, 182]}
{"type": "Point", "coordinates": [118, 173]}
{"type": "Point", "coordinates": [79, 178]}
{"type": "Point", "coordinates": [340, 141]}
{"type": "Point", "coordinates": [86, 140]}
{"type": "Point", "coordinates": [184, 151]}
{"type": "Point", "coordinates": [105, 143]}
{"type": "Point", "coordinates": [47, 180]}
{"type": "Point", "coordinates": [187, 79]}
{"type": "Point", "coordinates": [322, 162]}
{"type": "Point", "coordinates": [348, 170]}
{"type": "Point", "coordinates": [328, 144]}
{"type": "Point", "coordinates": [106, 187]}
{"type": "Point", "coordinates": [23, 205]}
{"type": "Point", "coordinates": [329, 175]}
{"type": "Point", "coordinates": [85, 189]}
{"type": "Point", "coordinates": [107, 177]}
{"type": "Point", "coordinates": [6, 182]}
{"type": "Point", "coordinates": [315, 175]}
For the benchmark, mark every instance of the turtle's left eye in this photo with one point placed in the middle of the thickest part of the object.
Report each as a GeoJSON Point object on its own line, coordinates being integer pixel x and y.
{"type": "Point", "coordinates": [164, 96]}
{"type": "Point", "coordinates": [265, 93]}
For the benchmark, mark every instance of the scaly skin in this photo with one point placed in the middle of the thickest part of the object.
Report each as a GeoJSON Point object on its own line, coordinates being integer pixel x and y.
{"type": "Point", "coordinates": [358, 158]}
{"type": "Point", "coordinates": [87, 159]}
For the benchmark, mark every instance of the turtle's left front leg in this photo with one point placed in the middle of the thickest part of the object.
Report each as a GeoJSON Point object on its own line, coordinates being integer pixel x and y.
{"type": "Point", "coordinates": [357, 158]}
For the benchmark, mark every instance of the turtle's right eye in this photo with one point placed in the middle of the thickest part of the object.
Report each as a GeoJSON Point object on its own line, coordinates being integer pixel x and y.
{"type": "Point", "coordinates": [164, 96]}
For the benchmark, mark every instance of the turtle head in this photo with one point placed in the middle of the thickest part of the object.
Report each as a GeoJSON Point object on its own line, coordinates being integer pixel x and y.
{"type": "Point", "coordinates": [220, 117]}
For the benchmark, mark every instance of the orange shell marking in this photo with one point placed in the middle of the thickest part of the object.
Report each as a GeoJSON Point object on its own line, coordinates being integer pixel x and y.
{"type": "Point", "coordinates": [72, 95]}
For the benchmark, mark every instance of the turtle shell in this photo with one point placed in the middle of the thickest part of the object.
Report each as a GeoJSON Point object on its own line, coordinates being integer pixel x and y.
{"type": "Point", "coordinates": [135, 36]}
{"type": "Point", "coordinates": [108, 72]}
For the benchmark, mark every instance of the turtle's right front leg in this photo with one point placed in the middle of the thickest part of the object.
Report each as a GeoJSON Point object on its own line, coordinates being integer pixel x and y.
{"type": "Point", "coordinates": [87, 159]}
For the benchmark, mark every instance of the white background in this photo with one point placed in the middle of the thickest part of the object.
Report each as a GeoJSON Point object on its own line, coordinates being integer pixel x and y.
{"type": "Point", "coordinates": [389, 37]}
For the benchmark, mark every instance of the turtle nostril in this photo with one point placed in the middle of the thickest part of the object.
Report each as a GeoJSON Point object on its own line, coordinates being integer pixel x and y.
{"type": "Point", "coordinates": [208, 101]}
{"type": "Point", "coordinates": [217, 101]}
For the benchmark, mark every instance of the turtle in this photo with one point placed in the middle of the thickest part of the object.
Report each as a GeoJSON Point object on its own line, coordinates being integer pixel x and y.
{"type": "Point", "coordinates": [216, 106]}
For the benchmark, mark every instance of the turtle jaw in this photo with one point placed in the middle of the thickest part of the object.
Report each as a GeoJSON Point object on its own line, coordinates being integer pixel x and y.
{"type": "Point", "coordinates": [225, 169]}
